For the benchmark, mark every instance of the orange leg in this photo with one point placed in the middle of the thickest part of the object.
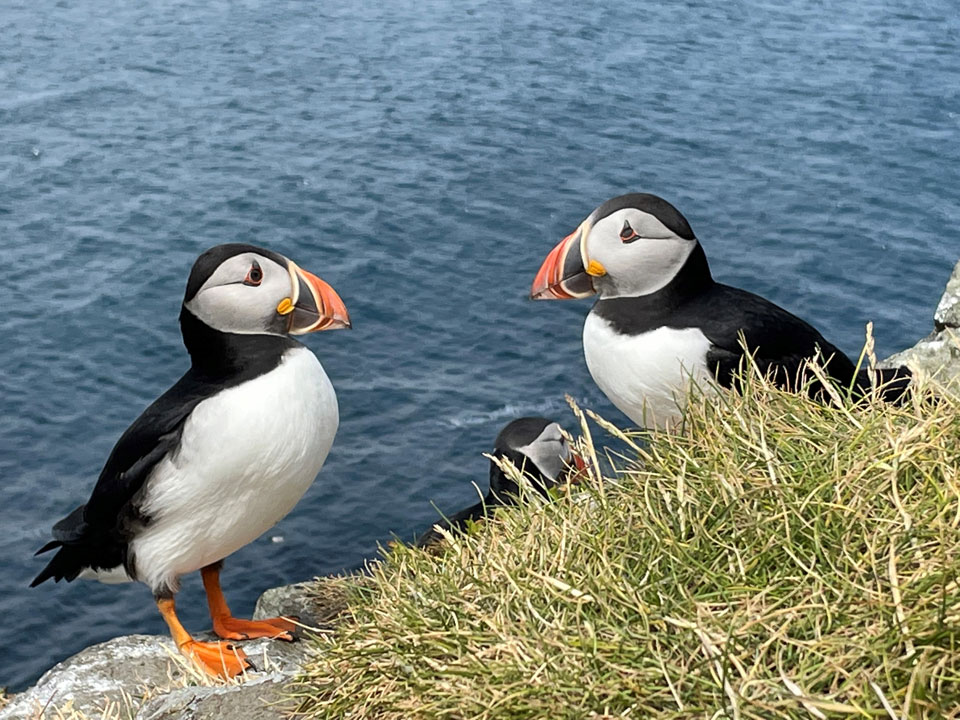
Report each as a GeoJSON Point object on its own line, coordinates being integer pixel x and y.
{"type": "Point", "coordinates": [217, 658]}
{"type": "Point", "coordinates": [231, 628]}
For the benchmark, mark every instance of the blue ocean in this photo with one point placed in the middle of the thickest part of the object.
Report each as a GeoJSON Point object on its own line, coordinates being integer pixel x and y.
{"type": "Point", "coordinates": [423, 157]}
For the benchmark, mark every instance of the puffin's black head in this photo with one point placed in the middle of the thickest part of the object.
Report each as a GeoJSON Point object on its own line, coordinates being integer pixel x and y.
{"type": "Point", "coordinates": [631, 245]}
{"type": "Point", "coordinates": [536, 446]}
{"type": "Point", "coordinates": [243, 289]}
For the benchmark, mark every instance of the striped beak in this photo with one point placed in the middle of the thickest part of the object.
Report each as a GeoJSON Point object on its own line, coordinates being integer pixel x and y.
{"type": "Point", "coordinates": [313, 305]}
{"type": "Point", "coordinates": [578, 462]}
{"type": "Point", "coordinates": [563, 275]}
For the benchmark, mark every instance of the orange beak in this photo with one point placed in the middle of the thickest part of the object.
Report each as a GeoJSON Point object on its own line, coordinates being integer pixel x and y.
{"type": "Point", "coordinates": [313, 305]}
{"type": "Point", "coordinates": [575, 471]}
{"type": "Point", "coordinates": [563, 275]}
{"type": "Point", "coordinates": [578, 468]}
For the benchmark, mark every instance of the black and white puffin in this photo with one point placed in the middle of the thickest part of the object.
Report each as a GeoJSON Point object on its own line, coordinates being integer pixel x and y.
{"type": "Point", "coordinates": [222, 455]}
{"type": "Point", "coordinates": [662, 322]}
{"type": "Point", "coordinates": [536, 446]}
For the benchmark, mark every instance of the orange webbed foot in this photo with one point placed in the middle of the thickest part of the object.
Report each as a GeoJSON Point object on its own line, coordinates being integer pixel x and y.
{"type": "Point", "coordinates": [231, 628]}
{"type": "Point", "coordinates": [217, 658]}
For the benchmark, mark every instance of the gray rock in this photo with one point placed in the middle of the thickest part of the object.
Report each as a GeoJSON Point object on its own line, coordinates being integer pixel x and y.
{"type": "Point", "coordinates": [937, 356]}
{"type": "Point", "coordinates": [286, 601]}
{"type": "Point", "coordinates": [119, 674]}
{"type": "Point", "coordinates": [316, 603]}
{"type": "Point", "coordinates": [146, 676]}
{"type": "Point", "coordinates": [114, 672]}
{"type": "Point", "coordinates": [261, 699]}
{"type": "Point", "coordinates": [948, 311]}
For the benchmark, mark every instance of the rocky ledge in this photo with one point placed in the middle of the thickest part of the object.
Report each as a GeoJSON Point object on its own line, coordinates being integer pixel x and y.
{"type": "Point", "coordinates": [143, 677]}
{"type": "Point", "coordinates": [938, 354]}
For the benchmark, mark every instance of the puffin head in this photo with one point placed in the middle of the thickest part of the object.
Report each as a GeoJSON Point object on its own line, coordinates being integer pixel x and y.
{"type": "Point", "coordinates": [247, 290]}
{"type": "Point", "coordinates": [536, 446]}
{"type": "Point", "coordinates": [631, 245]}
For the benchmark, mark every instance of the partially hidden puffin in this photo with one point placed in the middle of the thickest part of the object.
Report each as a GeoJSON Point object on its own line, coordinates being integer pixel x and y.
{"type": "Point", "coordinates": [662, 322]}
{"type": "Point", "coordinates": [222, 455]}
{"type": "Point", "coordinates": [536, 447]}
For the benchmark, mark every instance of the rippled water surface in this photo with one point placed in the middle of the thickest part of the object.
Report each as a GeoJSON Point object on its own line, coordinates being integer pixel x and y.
{"type": "Point", "coordinates": [423, 157]}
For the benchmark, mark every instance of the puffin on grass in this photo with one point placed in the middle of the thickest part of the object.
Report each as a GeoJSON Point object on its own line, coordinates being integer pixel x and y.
{"type": "Point", "coordinates": [222, 455]}
{"type": "Point", "coordinates": [662, 322]}
{"type": "Point", "coordinates": [536, 447]}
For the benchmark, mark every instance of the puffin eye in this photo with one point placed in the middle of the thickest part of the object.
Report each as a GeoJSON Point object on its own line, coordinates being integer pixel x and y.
{"type": "Point", "coordinates": [254, 275]}
{"type": "Point", "coordinates": [627, 233]}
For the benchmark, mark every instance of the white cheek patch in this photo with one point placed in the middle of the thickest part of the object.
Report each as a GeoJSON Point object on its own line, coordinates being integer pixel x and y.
{"type": "Point", "coordinates": [653, 265]}
{"type": "Point", "coordinates": [548, 452]}
{"type": "Point", "coordinates": [225, 303]}
{"type": "Point", "coordinates": [642, 266]}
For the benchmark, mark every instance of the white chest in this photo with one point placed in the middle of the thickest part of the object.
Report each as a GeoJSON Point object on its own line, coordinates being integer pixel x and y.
{"type": "Point", "coordinates": [646, 376]}
{"type": "Point", "coordinates": [246, 456]}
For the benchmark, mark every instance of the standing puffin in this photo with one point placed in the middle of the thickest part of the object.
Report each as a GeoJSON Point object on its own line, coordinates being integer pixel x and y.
{"type": "Point", "coordinates": [662, 322]}
{"type": "Point", "coordinates": [222, 455]}
{"type": "Point", "coordinates": [536, 446]}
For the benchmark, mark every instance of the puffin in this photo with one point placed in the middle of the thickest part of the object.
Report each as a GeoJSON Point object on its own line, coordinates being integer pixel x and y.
{"type": "Point", "coordinates": [537, 447]}
{"type": "Point", "coordinates": [221, 456]}
{"type": "Point", "coordinates": [662, 324]}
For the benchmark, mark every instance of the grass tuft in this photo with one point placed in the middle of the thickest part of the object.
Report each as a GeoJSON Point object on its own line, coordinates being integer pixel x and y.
{"type": "Point", "coordinates": [775, 557]}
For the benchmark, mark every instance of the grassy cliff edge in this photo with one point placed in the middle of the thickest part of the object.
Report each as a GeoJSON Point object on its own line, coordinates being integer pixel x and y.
{"type": "Point", "coordinates": [776, 558]}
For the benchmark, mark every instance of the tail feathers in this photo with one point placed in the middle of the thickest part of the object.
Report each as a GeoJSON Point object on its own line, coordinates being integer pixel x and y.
{"type": "Point", "coordinates": [69, 562]}
{"type": "Point", "coordinates": [893, 383]}
{"type": "Point", "coordinates": [52, 545]}
{"type": "Point", "coordinates": [78, 547]}
{"type": "Point", "coordinates": [72, 528]}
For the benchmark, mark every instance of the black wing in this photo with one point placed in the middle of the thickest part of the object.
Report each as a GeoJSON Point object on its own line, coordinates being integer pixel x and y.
{"type": "Point", "coordinates": [458, 521]}
{"type": "Point", "coordinates": [782, 344]}
{"type": "Point", "coordinates": [95, 534]}
{"type": "Point", "coordinates": [147, 441]}
{"type": "Point", "coordinates": [780, 341]}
